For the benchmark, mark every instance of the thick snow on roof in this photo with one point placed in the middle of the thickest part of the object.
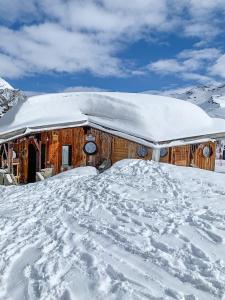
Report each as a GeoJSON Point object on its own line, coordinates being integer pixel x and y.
{"type": "Point", "coordinates": [150, 117]}
{"type": "Point", "coordinates": [5, 85]}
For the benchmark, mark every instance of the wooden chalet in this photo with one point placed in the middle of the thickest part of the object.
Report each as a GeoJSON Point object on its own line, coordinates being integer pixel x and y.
{"type": "Point", "coordinates": [64, 131]}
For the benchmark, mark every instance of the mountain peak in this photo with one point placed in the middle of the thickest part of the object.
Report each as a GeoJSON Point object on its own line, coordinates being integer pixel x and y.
{"type": "Point", "coordinates": [5, 85]}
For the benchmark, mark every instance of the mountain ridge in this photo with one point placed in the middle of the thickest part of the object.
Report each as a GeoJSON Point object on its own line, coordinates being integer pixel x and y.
{"type": "Point", "coordinates": [9, 96]}
{"type": "Point", "coordinates": [210, 98]}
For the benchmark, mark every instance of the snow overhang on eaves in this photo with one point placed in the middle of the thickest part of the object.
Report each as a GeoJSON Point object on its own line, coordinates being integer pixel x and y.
{"type": "Point", "coordinates": [10, 136]}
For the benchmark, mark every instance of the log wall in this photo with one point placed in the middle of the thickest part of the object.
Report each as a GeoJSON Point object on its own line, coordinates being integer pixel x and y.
{"type": "Point", "coordinates": [110, 148]}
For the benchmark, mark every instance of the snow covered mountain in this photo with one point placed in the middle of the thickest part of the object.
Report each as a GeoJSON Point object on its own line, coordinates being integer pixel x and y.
{"type": "Point", "coordinates": [209, 98]}
{"type": "Point", "coordinates": [8, 96]}
{"type": "Point", "coordinates": [5, 85]}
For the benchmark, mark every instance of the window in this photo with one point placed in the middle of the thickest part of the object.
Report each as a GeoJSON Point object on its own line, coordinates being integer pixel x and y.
{"type": "Point", "coordinates": [163, 152]}
{"type": "Point", "coordinates": [90, 148]}
{"type": "Point", "coordinates": [142, 151]}
{"type": "Point", "coordinates": [207, 151]}
{"type": "Point", "coordinates": [67, 155]}
{"type": "Point", "coordinates": [43, 156]}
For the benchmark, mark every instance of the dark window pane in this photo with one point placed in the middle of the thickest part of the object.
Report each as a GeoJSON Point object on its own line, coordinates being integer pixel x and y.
{"type": "Point", "coordinates": [43, 156]}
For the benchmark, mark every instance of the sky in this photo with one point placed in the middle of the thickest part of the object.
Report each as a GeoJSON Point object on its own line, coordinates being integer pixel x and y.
{"type": "Point", "coordinates": [116, 45]}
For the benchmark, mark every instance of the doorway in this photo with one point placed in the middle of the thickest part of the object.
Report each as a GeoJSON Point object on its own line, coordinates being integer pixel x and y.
{"type": "Point", "coordinates": [32, 163]}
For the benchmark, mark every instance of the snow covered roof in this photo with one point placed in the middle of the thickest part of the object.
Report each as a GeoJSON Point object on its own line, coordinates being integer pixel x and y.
{"type": "Point", "coordinates": [5, 85]}
{"type": "Point", "coordinates": [139, 117]}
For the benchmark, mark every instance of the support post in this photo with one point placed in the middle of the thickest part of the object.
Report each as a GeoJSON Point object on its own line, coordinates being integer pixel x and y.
{"type": "Point", "coordinates": [39, 157]}
{"type": "Point", "coordinates": [156, 155]}
{"type": "Point", "coordinates": [10, 157]}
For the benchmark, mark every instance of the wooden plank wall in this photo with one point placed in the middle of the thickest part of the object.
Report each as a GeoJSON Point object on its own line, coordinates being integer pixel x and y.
{"type": "Point", "coordinates": [23, 159]}
{"type": "Point", "coordinates": [110, 148]}
{"type": "Point", "coordinates": [180, 156]}
{"type": "Point", "coordinates": [166, 158]}
{"type": "Point", "coordinates": [104, 144]}
{"type": "Point", "coordinates": [57, 138]}
{"type": "Point", "coordinates": [193, 156]}
{"type": "Point", "coordinates": [199, 161]}
{"type": "Point", "coordinates": [122, 148]}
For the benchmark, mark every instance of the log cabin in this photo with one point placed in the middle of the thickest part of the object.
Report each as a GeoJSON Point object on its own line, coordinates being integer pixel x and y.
{"type": "Point", "coordinates": [68, 130]}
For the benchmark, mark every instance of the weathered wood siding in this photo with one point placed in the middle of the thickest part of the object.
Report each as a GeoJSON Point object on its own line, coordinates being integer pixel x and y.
{"type": "Point", "coordinates": [180, 156]}
{"type": "Point", "coordinates": [167, 158]}
{"type": "Point", "coordinates": [104, 144]}
{"type": "Point", "coordinates": [110, 148]}
{"type": "Point", "coordinates": [58, 138]}
{"type": "Point", "coordinates": [192, 155]}
{"type": "Point", "coordinates": [122, 148]}
{"type": "Point", "coordinates": [199, 161]}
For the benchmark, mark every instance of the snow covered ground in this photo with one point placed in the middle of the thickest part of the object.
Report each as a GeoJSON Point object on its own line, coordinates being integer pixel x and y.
{"type": "Point", "coordinates": [141, 230]}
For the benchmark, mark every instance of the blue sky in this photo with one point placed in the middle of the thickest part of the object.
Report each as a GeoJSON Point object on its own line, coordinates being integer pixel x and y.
{"type": "Point", "coordinates": [138, 45]}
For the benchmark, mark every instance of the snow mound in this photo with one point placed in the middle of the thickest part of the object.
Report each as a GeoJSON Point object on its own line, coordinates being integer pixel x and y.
{"type": "Point", "coordinates": [141, 230]}
{"type": "Point", "coordinates": [149, 117]}
{"type": "Point", "coordinates": [80, 171]}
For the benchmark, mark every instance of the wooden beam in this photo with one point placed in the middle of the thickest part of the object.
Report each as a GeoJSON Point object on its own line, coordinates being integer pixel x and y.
{"type": "Point", "coordinates": [6, 152]}
{"type": "Point", "coordinates": [39, 157]}
{"type": "Point", "coordinates": [36, 144]}
{"type": "Point", "coordinates": [10, 157]}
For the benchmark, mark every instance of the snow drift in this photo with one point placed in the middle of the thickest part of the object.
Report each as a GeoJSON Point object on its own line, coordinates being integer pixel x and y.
{"type": "Point", "coordinates": [141, 230]}
{"type": "Point", "coordinates": [148, 117]}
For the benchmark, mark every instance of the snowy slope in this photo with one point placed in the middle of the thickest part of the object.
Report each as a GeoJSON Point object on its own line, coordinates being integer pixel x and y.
{"type": "Point", "coordinates": [141, 230]}
{"type": "Point", "coordinates": [9, 97]}
{"type": "Point", "coordinates": [207, 97]}
{"type": "Point", "coordinates": [151, 118]}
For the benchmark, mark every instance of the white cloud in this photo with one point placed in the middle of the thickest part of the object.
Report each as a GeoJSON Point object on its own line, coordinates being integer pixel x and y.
{"type": "Point", "coordinates": [11, 68]}
{"type": "Point", "coordinates": [202, 54]}
{"type": "Point", "coordinates": [84, 89]}
{"type": "Point", "coordinates": [219, 67]}
{"type": "Point", "coordinates": [87, 35]}
{"type": "Point", "coordinates": [189, 64]}
{"type": "Point", "coordinates": [50, 47]}
{"type": "Point", "coordinates": [165, 66]}
{"type": "Point", "coordinates": [199, 78]}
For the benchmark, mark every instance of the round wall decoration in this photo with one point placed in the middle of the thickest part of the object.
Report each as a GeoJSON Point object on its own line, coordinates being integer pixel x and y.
{"type": "Point", "coordinates": [90, 148]}
{"type": "Point", "coordinates": [142, 151]}
{"type": "Point", "coordinates": [207, 151]}
{"type": "Point", "coordinates": [163, 152]}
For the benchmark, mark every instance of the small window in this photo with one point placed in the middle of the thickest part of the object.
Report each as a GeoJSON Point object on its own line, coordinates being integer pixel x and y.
{"type": "Point", "coordinates": [142, 151]}
{"type": "Point", "coordinates": [207, 151]}
{"type": "Point", "coordinates": [4, 156]}
{"type": "Point", "coordinates": [90, 148]}
{"type": "Point", "coordinates": [67, 155]}
{"type": "Point", "coordinates": [43, 156]}
{"type": "Point", "coordinates": [163, 152]}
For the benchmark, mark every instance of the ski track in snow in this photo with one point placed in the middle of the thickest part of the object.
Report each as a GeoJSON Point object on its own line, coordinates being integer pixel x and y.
{"type": "Point", "coordinates": [141, 230]}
